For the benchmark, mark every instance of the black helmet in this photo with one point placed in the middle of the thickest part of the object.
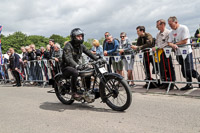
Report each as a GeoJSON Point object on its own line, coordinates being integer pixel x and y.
{"type": "Point", "coordinates": [73, 34]}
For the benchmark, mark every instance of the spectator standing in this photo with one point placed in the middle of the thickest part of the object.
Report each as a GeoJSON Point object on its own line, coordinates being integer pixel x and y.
{"type": "Point", "coordinates": [97, 49]}
{"type": "Point", "coordinates": [44, 56]}
{"type": "Point", "coordinates": [197, 34]}
{"type": "Point", "coordinates": [23, 61]}
{"type": "Point", "coordinates": [110, 49]}
{"type": "Point", "coordinates": [145, 40]}
{"type": "Point", "coordinates": [125, 49]}
{"type": "Point", "coordinates": [51, 43]}
{"type": "Point", "coordinates": [14, 66]}
{"type": "Point", "coordinates": [167, 73]}
{"type": "Point", "coordinates": [57, 56]}
{"type": "Point", "coordinates": [106, 35]}
{"type": "Point", "coordinates": [179, 36]}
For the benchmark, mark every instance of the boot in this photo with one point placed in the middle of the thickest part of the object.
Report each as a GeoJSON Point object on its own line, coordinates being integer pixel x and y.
{"type": "Point", "coordinates": [187, 87]}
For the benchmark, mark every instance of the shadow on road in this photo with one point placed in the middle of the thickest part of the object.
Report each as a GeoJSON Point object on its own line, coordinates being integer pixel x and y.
{"type": "Point", "coordinates": [75, 106]}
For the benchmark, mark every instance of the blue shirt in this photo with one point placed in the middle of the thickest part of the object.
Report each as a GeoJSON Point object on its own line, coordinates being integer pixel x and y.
{"type": "Point", "coordinates": [112, 47]}
{"type": "Point", "coordinates": [98, 50]}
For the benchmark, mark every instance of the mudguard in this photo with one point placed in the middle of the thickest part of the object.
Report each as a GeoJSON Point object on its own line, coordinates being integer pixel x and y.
{"type": "Point", "coordinates": [53, 80]}
{"type": "Point", "coordinates": [101, 85]}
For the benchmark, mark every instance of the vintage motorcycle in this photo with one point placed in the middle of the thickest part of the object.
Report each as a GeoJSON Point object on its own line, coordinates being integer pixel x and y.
{"type": "Point", "coordinates": [112, 88]}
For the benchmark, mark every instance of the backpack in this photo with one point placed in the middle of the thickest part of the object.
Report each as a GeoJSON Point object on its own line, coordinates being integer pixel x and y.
{"type": "Point", "coordinates": [117, 41]}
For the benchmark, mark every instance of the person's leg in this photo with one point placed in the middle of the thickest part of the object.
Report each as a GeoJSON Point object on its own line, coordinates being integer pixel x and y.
{"type": "Point", "coordinates": [146, 64]}
{"type": "Point", "coordinates": [70, 71]}
{"type": "Point", "coordinates": [120, 68]}
{"type": "Point", "coordinates": [14, 76]}
{"type": "Point", "coordinates": [130, 76]}
{"type": "Point", "coordinates": [18, 79]}
{"type": "Point", "coordinates": [184, 65]}
{"type": "Point", "coordinates": [190, 68]}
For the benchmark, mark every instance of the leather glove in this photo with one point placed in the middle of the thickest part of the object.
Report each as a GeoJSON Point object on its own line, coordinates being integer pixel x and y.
{"type": "Point", "coordinates": [102, 61]}
{"type": "Point", "coordinates": [79, 67]}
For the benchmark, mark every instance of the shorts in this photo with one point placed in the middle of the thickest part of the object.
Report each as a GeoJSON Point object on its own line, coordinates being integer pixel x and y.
{"type": "Point", "coordinates": [117, 66]}
{"type": "Point", "coordinates": [127, 65]}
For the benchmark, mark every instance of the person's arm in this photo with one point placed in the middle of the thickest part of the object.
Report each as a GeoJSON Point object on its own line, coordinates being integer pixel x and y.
{"type": "Point", "coordinates": [68, 57]}
{"type": "Point", "coordinates": [93, 51]}
{"type": "Point", "coordinates": [99, 51]}
{"type": "Point", "coordinates": [16, 64]}
{"type": "Point", "coordinates": [60, 55]}
{"type": "Point", "coordinates": [148, 44]}
{"type": "Point", "coordinates": [88, 53]}
{"type": "Point", "coordinates": [129, 46]}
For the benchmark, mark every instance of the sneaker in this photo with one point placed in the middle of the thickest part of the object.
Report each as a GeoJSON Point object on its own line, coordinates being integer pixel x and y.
{"type": "Point", "coordinates": [15, 85]}
{"type": "Point", "coordinates": [132, 85]}
{"type": "Point", "coordinates": [19, 85]}
{"type": "Point", "coordinates": [187, 87]}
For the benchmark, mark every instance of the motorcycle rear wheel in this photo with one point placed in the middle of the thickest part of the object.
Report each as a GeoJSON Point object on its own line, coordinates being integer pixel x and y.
{"type": "Point", "coordinates": [63, 93]}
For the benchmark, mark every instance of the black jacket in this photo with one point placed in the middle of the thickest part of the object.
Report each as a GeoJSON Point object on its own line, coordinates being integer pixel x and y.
{"type": "Point", "coordinates": [14, 61]}
{"type": "Point", "coordinates": [24, 56]}
{"type": "Point", "coordinates": [45, 55]}
{"type": "Point", "coordinates": [33, 55]}
{"type": "Point", "coordinates": [145, 42]}
{"type": "Point", "coordinates": [71, 55]}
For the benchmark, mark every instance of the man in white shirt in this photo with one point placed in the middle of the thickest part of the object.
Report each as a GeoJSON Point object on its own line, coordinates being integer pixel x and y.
{"type": "Point", "coordinates": [166, 67]}
{"type": "Point", "coordinates": [179, 36]}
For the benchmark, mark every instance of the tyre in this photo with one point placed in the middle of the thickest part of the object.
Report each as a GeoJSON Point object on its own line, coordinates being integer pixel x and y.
{"type": "Point", "coordinates": [116, 93]}
{"type": "Point", "coordinates": [63, 92]}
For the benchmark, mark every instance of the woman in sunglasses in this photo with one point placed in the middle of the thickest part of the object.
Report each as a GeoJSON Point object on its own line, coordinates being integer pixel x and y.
{"type": "Point", "coordinates": [125, 49]}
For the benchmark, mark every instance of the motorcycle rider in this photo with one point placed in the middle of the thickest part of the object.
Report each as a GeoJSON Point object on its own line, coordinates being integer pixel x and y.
{"type": "Point", "coordinates": [70, 59]}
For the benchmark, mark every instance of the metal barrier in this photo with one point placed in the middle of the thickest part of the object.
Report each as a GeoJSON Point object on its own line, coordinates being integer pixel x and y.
{"type": "Point", "coordinates": [186, 71]}
{"type": "Point", "coordinates": [39, 71]}
{"type": "Point", "coordinates": [149, 67]}
{"type": "Point", "coordinates": [164, 72]}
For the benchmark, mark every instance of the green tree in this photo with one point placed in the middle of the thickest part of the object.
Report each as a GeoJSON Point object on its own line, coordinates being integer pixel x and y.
{"type": "Point", "coordinates": [58, 39]}
{"type": "Point", "coordinates": [39, 41]}
{"type": "Point", "coordinates": [15, 40]}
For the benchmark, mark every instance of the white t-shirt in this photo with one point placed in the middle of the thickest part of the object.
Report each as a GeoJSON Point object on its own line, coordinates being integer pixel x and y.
{"type": "Point", "coordinates": [181, 33]}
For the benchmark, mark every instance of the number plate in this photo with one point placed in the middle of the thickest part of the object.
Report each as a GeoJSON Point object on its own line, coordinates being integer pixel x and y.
{"type": "Point", "coordinates": [102, 70]}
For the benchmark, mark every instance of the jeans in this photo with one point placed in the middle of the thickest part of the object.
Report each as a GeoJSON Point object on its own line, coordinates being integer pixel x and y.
{"type": "Point", "coordinates": [187, 67]}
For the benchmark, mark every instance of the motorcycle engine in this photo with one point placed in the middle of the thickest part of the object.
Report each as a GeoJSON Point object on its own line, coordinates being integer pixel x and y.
{"type": "Point", "coordinates": [89, 97]}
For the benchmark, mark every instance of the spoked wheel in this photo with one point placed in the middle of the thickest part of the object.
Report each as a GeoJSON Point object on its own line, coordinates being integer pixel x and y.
{"type": "Point", "coordinates": [63, 92]}
{"type": "Point", "coordinates": [117, 94]}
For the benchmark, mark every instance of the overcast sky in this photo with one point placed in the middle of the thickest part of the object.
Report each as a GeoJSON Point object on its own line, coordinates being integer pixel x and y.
{"type": "Point", "coordinates": [95, 17]}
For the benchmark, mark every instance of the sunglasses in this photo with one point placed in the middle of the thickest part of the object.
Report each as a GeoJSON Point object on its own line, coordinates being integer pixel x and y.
{"type": "Point", "coordinates": [122, 36]}
{"type": "Point", "coordinates": [106, 35]}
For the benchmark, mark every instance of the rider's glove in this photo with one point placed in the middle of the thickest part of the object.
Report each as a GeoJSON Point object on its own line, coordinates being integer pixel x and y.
{"type": "Point", "coordinates": [102, 61]}
{"type": "Point", "coordinates": [79, 67]}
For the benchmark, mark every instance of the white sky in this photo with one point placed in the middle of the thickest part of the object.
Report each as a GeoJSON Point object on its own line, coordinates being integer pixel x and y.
{"type": "Point", "coordinates": [95, 17]}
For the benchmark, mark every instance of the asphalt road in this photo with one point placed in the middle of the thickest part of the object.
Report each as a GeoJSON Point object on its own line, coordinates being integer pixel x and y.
{"type": "Point", "coordinates": [33, 110]}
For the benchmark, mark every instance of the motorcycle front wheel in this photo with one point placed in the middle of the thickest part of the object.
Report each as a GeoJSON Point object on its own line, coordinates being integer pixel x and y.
{"type": "Point", "coordinates": [116, 93]}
